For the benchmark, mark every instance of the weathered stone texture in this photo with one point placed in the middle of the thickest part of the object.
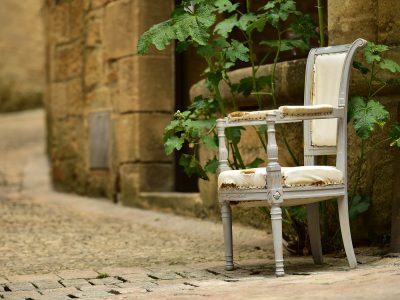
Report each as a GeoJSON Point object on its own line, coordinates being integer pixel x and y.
{"type": "Point", "coordinates": [92, 67]}
{"type": "Point", "coordinates": [22, 65]}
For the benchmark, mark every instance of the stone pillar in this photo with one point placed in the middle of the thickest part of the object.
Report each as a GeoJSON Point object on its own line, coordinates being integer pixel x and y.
{"type": "Point", "coordinates": [93, 68]}
{"type": "Point", "coordinates": [376, 21]}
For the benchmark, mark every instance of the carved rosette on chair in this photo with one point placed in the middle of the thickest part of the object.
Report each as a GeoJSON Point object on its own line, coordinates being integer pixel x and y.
{"type": "Point", "coordinates": [324, 115]}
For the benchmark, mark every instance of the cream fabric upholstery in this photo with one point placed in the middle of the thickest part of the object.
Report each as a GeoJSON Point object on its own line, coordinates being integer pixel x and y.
{"type": "Point", "coordinates": [248, 115]}
{"type": "Point", "coordinates": [327, 73]}
{"type": "Point", "coordinates": [291, 177]}
{"type": "Point", "coordinates": [307, 110]}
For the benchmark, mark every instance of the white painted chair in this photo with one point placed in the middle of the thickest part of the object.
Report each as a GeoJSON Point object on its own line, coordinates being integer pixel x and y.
{"type": "Point", "coordinates": [325, 133]}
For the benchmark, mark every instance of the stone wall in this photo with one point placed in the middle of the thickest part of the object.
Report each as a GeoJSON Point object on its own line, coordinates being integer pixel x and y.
{"type": "Point", "coordinates": [106, 105]}
{"type": "Point", "coordinates": [22, 54]}
{"type": "Point", "coordinates": [376, 21]}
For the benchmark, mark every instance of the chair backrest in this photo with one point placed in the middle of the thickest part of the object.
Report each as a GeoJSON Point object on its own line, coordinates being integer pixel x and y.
{"type": "Point", "coordinates": [327, 82]}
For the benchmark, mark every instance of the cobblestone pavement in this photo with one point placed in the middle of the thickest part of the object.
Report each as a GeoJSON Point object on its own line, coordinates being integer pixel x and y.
{"type": "Point", "coordinates": [58, 246]}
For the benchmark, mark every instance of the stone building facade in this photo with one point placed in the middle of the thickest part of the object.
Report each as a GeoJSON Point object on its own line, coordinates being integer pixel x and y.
{"type": "Point", "coordinates": [107, 106]}
{"type": "Point", "coordinates": [22, 54]}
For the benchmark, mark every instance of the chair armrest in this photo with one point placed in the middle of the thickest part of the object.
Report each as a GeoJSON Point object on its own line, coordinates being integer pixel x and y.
{"type": "Point", "coordinates": [308, 112]}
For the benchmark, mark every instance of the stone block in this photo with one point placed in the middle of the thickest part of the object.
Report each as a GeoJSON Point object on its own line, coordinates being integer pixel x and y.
{"type": "Point", "coordinates": [75, 97]}
{"type": "Point", "coordinates": [157, 177]}
{"type": "Point", "coordinates": [76, 13]}
{"type": "Point", "coordinates": [139, 137]}
{"type": "Point", "coordinates": [94, 34]}
{"type": "Point", "coordinates": [58, 100]}
{"type": "Point", "coordinates": [348, 20]}
{"type": "Point", "coordinates": [47, 284]}
{"type": "Point", "coordinates": [151, 129]}
{"type": "Point", "coordinates": [75, 283]}
{"type": "Point", "coordinates": [99, 3]}
{"type": "Point", "coordinates": [129, 179]}
{"type": "Point", "coordinates": [58, 23]}
{"type": "Point", "coordinates": [143, 84]}
{"type": "Point", "coordinates": [20, 286]}
{"type": "Point", "coordinates": [155, 82]}
{"type": "Point", "coordinates": [127, 145]}
{"type": "Point", "coordinates": [98, 99]}
{"type": "Point", "coordinates": [388, 22]}
{"type": "Point", "coordinates": [68, 61]}
{"type": "Point", "coordinates": [77, 274]}
{"type": "Point", "coordinates": [119, 29]}
{"type": "Point", "coordinates": [32, 277]}
{"type": "Point", "coordinates": [105, 281]}
{"type": "Point", "coordinates": [93, 68]}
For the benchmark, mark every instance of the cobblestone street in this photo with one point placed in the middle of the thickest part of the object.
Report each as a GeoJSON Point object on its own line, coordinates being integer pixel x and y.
{"type": "Point", "coordinates": [60, 246]}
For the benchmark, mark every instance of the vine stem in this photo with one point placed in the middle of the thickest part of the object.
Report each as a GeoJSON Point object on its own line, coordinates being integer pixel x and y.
{"type": "Point", "coordinates": [360, 164]}
{"type": "Point", "coordinates": [273, 74]}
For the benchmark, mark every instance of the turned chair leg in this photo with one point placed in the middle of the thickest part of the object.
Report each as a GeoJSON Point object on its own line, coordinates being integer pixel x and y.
{"type": "Point", "coordinates": [226, 213]}
{"type": "Point", "coordinates": [345, 229]}
{"type": "Point", "coordinates": [276, 220]}
{"type": "Point", "coordinates": [314, 232]}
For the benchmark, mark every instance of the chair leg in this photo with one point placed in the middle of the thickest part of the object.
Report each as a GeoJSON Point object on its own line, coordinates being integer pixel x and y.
{"type": "Point", "coordinates": [345, 229]}
{"type": "Point", "coordinates": [276, 220]}
{"type": "Point", "coordinates": [314, 232]}
{"type": "Point", "coordinates": [226, 213]}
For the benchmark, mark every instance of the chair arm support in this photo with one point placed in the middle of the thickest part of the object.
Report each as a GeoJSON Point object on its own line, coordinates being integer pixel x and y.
{"type": "Point", "coordinates": [274, 176]}
{"type": "Point", "coordinates": [222, 150]}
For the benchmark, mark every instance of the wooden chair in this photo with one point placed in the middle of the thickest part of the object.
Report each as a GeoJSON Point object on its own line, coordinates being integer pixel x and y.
{"type": "Point", "coordinates": [324, 115]}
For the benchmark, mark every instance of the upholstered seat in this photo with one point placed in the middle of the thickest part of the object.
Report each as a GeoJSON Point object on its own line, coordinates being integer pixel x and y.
{"type": "Point", "coordinates": [291, 177]}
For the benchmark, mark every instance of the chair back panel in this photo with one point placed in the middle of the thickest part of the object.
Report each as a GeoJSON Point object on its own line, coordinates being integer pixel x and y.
{"type": "Point", "coordinates": [327, 82]}
{"type": "Point", "coordinates": [327, 74]}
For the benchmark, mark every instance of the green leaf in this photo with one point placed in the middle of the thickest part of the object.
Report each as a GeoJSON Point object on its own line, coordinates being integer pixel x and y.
{"type": "Point", "coordinates": [183, 25]}
{"type": "Point", "coordinates": [358, 205]}
{"type": "Point", "coordinates": [234, 134]}
{"type": "Point", "coordinates": [173, 143]}
{"type": "Point", "coordinates": [395, 136]}
{"type": "Point", "coordinates": [206, 51]}
{"type": "Point", "coordinates": [285, 45]}
{"type": "Point", "coordinates": [226, 6]}
{"type": "Point", "coordinates": [360, 67]}
{"type": "Point", "coordinates": [246, 86]}
{"type": "Point", "coordinates": [305, 27]}
{"type": "Point", "coordinates": [191, 165]}
{"type": "Point", "coordinates": [245, 20]}
{"type": "Point", "coordinates": [209, 142]}
{"type": "Point", "coordinates": [366, 115]}
{"type": "Point", "coordinates": [237, 51]}
{"type": "Point", "coordinates": [258, 24]}
{"type": "Point", "coordinates": [226, 26]}
{"type": "Point", "coordinates": [255, 163]}
{"type": "Point", "coordinates": [212, 165]}
{"type": "Point", "coordinates": [388, 64]}
{"type": "Point", "coordinates": [215, 78]}
{"type": "Point", "coordinates": [372, 52]}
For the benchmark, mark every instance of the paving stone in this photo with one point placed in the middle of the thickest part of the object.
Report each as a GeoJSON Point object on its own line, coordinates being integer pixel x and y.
{"type": "Point", "coordinates": [94, 293]}
{"type": "Point", "coordinates": [121, 271]}
{"type": "Point", "coordinates": [20, 286]}
{"type": "Point", "coordinates": [21, 295]}
{"type": "Point", "coordinates": [32, 277]}
{"type": "Point", "coordinates": [60, 292]}
{"type": "Point", "coordinates": [78, 274]}
{"type": "Point", "coordinates": [3, 280]}
{"type": "Point", "coordinates": [46, 284]}
{"type": "Point", "coordinates": [134, 277]}
{"type": "Point", "coordinates": [164, 275]}
{"type": "Point", "coordinates": [75, 282]}
{"type": "Point", "coordinates": [107, 280]}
